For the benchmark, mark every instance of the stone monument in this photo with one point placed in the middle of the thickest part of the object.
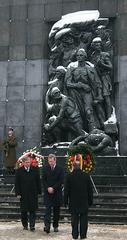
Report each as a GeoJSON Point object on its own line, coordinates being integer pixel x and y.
{"type": "Point", "coordinates": [79, 98]}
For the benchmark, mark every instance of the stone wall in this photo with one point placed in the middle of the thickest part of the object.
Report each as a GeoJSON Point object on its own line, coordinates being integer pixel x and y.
{"type": "Point", "coordinates": [24, 28]}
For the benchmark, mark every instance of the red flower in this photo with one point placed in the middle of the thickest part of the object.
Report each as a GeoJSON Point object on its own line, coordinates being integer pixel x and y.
{"type": "Point", "coordinates": [34, 163]}
{"type": "Point", "coordinates": [72, 158]}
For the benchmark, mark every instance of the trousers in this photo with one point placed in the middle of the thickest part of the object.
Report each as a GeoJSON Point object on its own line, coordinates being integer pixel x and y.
{"type": "Point", "coordinates": [79, 222]}
{"type": "Point", "coordinates": [56, 215]}
{"type": "Point", "coordinates": [28, 217]}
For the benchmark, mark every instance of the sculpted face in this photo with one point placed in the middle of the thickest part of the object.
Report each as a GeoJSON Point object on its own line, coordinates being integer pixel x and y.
{"type": "Point", "coordinates": [81, 55]}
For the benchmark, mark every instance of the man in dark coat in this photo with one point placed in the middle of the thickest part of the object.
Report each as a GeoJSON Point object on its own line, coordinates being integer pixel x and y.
{"type": "Point", "coordinates": [27, 188]}
{"type": "Point", "coordinates": [78, 193]}
{"type": "Point", "coordinates": [9, 147]}
{"type": "Point", "coordinates": [53, 177]}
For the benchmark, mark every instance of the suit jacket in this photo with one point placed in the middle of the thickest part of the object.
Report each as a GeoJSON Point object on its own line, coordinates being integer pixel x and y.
{"type": "Point", "coordinates": [53, 179]}
{"type": "Point", "coordinates": [78, 191]}
{"type": "Point", "coordinates": [28, 185]}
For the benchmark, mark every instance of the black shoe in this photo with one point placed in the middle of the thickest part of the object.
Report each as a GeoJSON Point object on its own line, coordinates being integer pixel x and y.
{"type": "Point", "coordinates": [47, 229]}
{"type": "Point", "coordinates": [25, 228]}
{"type": "Point", "coordinates": [56, 229]}
{"type": "Point", "coordinates": [32, 229]}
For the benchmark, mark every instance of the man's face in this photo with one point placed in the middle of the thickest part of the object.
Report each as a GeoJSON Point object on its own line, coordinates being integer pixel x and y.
{"type": "Point", "coordinates": [52, 162]}
{"type": "Point", "coordinates": [10, 133]}
{"type": "Point", "coordinates": [27, 163]}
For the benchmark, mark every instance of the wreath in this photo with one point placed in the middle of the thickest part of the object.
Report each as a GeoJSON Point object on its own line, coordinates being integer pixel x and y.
{"type": "Point", "coordinates": [82, 153]}
{"type": "Point", "coordinates": [35, 158]}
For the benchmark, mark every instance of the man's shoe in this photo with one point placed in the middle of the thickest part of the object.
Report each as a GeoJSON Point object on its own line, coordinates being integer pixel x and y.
{"type": "Point", "coordinates": [32, 229]}
{"type": "Point", "coordinates": [25, 228]}
{"type": "Point", "coordinates": [46, 229]}
{"type": "Point", "coordinates": [56, 229]}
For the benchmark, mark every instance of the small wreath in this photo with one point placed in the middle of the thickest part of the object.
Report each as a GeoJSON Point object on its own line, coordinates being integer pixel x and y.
{"type": "Point", "coordinates": [35, 158]}
{"type": "Point", "coordinates": [82, 153]}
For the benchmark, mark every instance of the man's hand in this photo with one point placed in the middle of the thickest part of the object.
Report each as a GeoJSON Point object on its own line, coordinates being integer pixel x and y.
{"type": "Point", "coordinates": [50, 190]}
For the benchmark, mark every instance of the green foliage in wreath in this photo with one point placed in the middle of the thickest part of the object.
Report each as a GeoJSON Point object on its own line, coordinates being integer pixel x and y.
{"type": "Point", "coordinates": [82, 153]}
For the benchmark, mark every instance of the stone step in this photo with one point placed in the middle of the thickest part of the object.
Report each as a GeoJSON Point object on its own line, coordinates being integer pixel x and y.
{"type": "Point", "coordinates": [109, 179]}
{"type": "Point", "coordinates": [93, 218]}
{"type": "Point", "coordinates": [7, 209]}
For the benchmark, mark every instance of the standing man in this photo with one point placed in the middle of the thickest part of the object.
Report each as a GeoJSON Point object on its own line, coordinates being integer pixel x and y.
{"type": "Point", "coordinates": [79, 195]}
{"type": "Point", "coordinates": [53, 177]}
{"type": "Point", "coordinates": [27, 188]}
{"type": "Point", "coordinates": [9, 147]}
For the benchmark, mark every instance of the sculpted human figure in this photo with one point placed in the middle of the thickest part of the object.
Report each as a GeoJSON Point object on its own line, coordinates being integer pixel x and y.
{"type": "Point", "coordinates": [104, 34]}
{"type": "Point", "coordinates": [58, 80]}
{"type": "Point", "coordinates": [84, 87]}
{"type": "Point", "coordinates": [65, 114]}
{"type": "Point", "coordinates": [67, 46]}
{"type": "Point", "coordinates": [103, 65]}
{"type": "Point", "coordinates": [98, 140]}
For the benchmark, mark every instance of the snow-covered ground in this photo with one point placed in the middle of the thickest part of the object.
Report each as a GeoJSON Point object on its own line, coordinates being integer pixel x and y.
{"type": "Point", "coordinates": [14, 231]}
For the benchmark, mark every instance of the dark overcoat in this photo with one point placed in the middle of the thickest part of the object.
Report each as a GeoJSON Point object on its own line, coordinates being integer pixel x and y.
{"type": "Point", "coordinates": [9, 146]}
{"type": "Point", "coordinates": [53, 179]}
{"type": "Point", "coordinates": [78, 191]}
{"type": "Point", "coordinates": [28, 185]}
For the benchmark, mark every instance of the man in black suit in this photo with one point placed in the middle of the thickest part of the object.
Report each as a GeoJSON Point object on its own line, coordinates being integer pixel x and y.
{"type": "Point", "coordinates": [53, 177]}
{"type": "Point", "coordinates": [78, 193]}
{"type": "Point", "coordinates": [27, 188]}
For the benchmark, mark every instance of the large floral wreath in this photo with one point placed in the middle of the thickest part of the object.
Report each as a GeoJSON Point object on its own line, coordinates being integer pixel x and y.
{"type": "Point", "coordinates": [82, 153]}
{"type": "Point", "coordinates": [36, 158]}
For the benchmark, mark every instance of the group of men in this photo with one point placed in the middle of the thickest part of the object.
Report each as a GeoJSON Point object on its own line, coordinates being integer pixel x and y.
{"type": "Point", "coordinates": [76, 186]}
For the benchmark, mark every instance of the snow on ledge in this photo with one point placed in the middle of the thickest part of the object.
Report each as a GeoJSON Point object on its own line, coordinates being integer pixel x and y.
{"type": "Point", "coordinates": [76, 17]}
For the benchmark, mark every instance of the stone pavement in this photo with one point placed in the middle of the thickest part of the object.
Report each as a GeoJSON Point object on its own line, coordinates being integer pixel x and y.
{"type": "Point", "coordinates": [13, 231]}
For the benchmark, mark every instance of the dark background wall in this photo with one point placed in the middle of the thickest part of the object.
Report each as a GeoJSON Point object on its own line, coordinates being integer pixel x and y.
{"type": "Point", "coordinates": [24, 28]}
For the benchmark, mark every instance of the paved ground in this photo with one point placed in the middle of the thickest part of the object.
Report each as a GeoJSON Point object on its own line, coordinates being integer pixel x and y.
{"type": "Point", "coordinates": [13, 231]}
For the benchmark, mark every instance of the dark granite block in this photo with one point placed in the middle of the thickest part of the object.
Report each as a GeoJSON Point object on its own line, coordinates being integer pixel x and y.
{"type": "Point", "coordinates": [31, 132]}
{"type": "Point", "coordinates": [45, 75]}
{"type": "Point", "coordinates": [2, 94]}
{"type": "Point", "coordinates": [3, 73]}
{"type": "Point", "coordinates": [19, 12]}
{"type": "Point", "coordinates": [33, 92]}
{"type": "Point", "coordinates": [34, 51]}
{"type": "Point", "coordinates": [16, 73]}
{"type": "Point", "coordinates": [4, 13]}
{"type": "Point", "coordinates": [89, 4]}
{"type": "Point", "coordinates": [5, 3]}
{"type": "Point", "coordinates": [29, 144]}
{"type": "Point", "coordinates": [18, 2]}
{"type": "Point", "coordinates": [18, 33]}
{"type": "Point", "coordinates": [15, 113]}
{"type": "Point", "coordinates": [122, 6]}
{"type": "Point", "coordinates": [4, 53]}
{"type": "Point", "coordinates": [122, 50]}
{"type": "Point", "coordinates": [2, 113]}
{"type": "Point", "coordinates": [34, 33]}
{"type": "Point", "coordinates": [36, 11]}
{"type": "Point", "coordinates": [53, 11]}
{"type": "Point", "coordinates": [70, 7]}
{"type": "Point", "coordinates": [17, 52]}
{"type": "Point", "coordinates": [33, 111]}
{"type": "Point", "coordinates": [33, 72]}
{"type": "Point", "coordinates": [15, 93]}
{"type": "Point", "coordinates": [108, 8]}
{"type": "Point", "coordinates": [4, 33]}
